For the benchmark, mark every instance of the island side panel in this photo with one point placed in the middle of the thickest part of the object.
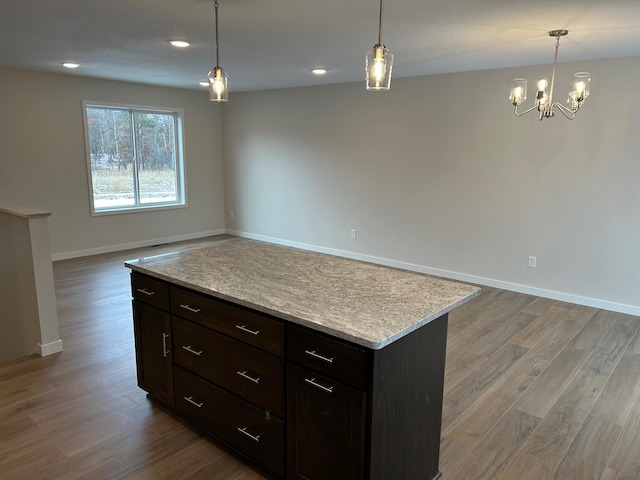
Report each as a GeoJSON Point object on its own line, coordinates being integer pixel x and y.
{"type": "Point", "coordinates": [406, 409]}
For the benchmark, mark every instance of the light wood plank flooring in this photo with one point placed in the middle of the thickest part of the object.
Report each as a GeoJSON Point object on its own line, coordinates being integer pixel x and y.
{"type": "Point", "coordinates": [534, 389]}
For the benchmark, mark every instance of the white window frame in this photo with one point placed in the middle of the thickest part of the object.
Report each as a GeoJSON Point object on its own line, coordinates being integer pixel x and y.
{"type": "Point", "coordinates": [181, 193]}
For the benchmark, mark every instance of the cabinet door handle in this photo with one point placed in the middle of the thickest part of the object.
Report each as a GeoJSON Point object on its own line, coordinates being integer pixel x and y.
{"type": "Point", "coordinates": [312, 381]}
{"type": "Point", "coordinates": [319, 357]}
{"type": "Point", "coordinates": [248, 330]}
{"type": "Point", "coordinates": [165, 351]}
{"type": "Point", "coordinates": [190, 349]}
{"type": "Point", "coordinates": [249, 377]}
{"type": "Point", "coordinates": [145, 291]}
{"type": "Point", "coordinates": [186, 306]}
{"type": "Point", "coordinates": [193, 402]}
{"type": "Point", "coordinates": [252, 437]}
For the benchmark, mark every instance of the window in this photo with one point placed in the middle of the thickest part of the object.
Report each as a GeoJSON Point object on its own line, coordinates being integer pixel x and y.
{"type": "Point", "coordinates": [134, 157]}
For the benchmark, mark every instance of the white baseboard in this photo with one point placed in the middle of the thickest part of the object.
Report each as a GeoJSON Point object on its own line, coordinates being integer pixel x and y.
{"type": "Point", "coordinates": [128, 246]}
{"type": "Point", "coordinates": [463, 277]}
{"type": "Point", "coordinates": [50, 348]}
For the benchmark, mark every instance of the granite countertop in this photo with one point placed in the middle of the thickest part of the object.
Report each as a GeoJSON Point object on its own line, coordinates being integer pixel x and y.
{"type": "Point", "coordinates": [367, 304]}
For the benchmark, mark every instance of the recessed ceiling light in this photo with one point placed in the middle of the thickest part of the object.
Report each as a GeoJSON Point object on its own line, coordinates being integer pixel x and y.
{"type": "Point", "coordinates": [179, 43]}
{"type": "Point", "coordinates": [319, 71]}
{"type": "Point", "coordinates": [203, 83]}
{"type": "Point", "coordinates": [70, 64]}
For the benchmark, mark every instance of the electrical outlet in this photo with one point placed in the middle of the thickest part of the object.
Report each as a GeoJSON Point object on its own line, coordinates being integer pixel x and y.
{"type": "Point", "coordinates": [230, 213]}
{"type": "Point", "coordinates": [532, 262]}
{"type": "Point", "coordinates": [354, 233]}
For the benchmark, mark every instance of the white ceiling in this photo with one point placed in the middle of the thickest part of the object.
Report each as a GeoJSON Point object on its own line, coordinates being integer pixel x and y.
{"type": "Point", "coordinates": [272, 44]}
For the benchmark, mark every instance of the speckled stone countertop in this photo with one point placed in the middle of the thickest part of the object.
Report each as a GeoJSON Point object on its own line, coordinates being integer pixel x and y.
{"type": "Point", "coordinates": [367, 304]}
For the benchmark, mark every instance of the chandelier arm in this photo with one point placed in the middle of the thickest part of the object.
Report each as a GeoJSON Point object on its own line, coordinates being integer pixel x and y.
{"type": "Point", "coordinates": [570, 113]}
{"type": "Point", "coordinates": [515, 110]}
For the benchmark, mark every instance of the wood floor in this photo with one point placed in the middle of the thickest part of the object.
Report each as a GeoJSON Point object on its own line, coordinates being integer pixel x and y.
{"type": "Point", "coordinates": [534, 389]}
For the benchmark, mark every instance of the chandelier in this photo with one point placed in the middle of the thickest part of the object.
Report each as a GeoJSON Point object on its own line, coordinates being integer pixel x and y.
{"type": "Point", "coordinates": [578, 90]}
{"type": "Point", "coordinates": [218, 79]}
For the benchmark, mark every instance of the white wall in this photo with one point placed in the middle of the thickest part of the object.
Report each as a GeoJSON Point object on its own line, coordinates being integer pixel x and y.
{"type": "Point", "coordinates": [43, 163]}
{"type": "Point", "coordinates": [438, 175]}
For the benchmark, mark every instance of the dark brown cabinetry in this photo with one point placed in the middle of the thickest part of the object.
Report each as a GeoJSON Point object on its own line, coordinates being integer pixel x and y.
{"type": "Point", "coordinates": [218, 365]}
{"type": "Point", "coordinates": [326, 428]}
{"type": "Point", "coordinates": [357, 413]}
{"type": "Point", "coordinates": [327, 403]}
{"type": "Point", "coordinates": [302, 404]}
{"type": "Point", "coordinates": [243, 426]}
{"type": "Point", "coordinates": [152, 333]}
{"type": "Point", "coordinates": [246, 371]}
{"type": "Point", "coordinates": [230, 374]}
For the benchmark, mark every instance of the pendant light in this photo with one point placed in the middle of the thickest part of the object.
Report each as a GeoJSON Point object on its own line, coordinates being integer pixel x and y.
{"type": "Point", "coordinates": [218, 79]}
{"type": "Point", "coordinates": [378, 63]}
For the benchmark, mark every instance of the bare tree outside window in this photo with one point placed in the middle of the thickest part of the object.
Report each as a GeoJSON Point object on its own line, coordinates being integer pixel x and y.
{"type": "Point", "coordinates": [134, 157]}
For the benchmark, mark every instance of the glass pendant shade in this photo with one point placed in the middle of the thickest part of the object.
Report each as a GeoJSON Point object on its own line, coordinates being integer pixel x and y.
{"type": "Point", "coordinates": [579, 88]}
{"type": "Point", "coordinates": [518, 91]}
{"type": "Point", "coordinates": [378, 64]}
{"type": "Point", "coordinates": [218, 88]}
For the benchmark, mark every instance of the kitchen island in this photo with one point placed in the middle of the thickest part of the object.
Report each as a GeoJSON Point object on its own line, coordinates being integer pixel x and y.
{"type": "Point", "coordinates": [310, 365]}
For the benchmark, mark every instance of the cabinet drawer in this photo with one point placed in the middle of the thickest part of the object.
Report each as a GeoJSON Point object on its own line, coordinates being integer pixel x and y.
{"type": "Point", "coordinates": [150, 290]}
{"type": "Point", "coordinates": [247, 428]}
{"type": "Point", "coordinates": [235, 321]}
{"type": "Point", "coordinates": [329, 356]}
{"type": "Point", "coordinates": [250, 373]}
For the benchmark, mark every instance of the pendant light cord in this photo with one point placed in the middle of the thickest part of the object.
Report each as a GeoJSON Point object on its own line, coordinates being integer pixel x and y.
{"type": "Point", "coordinates": [380, 25]}
{"type": "Point", "coordinates": [217, 54]}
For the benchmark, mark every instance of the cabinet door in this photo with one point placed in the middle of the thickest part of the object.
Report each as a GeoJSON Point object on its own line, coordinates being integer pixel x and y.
{"type": "Point", "coordinates": [152, 329]}
{"type": "Point", "coordinates": [326, 428]}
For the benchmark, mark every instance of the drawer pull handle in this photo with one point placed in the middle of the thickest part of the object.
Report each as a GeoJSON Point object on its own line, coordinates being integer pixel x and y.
{"type": "Point", "coordinates": [190, 308]}
{"type": "Point", "coordinates": [145, 291]}
{"type": "Point", "coordinates": [193, 402]}
{"type": "Point", "coordinates": [248, 330]}
{"type": "Point", "coordinates": [319, 357]}
{"type": "Point", "coordinates": [249, 377]}
{"type": "Point", "coordinates": [190, 349]}
{"type": "Point", "coordinates": [252, 437]}
{"type": "Point", "coordinates": [165, 351]}
{"type": "Point", "coordinates": [312, 381]}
